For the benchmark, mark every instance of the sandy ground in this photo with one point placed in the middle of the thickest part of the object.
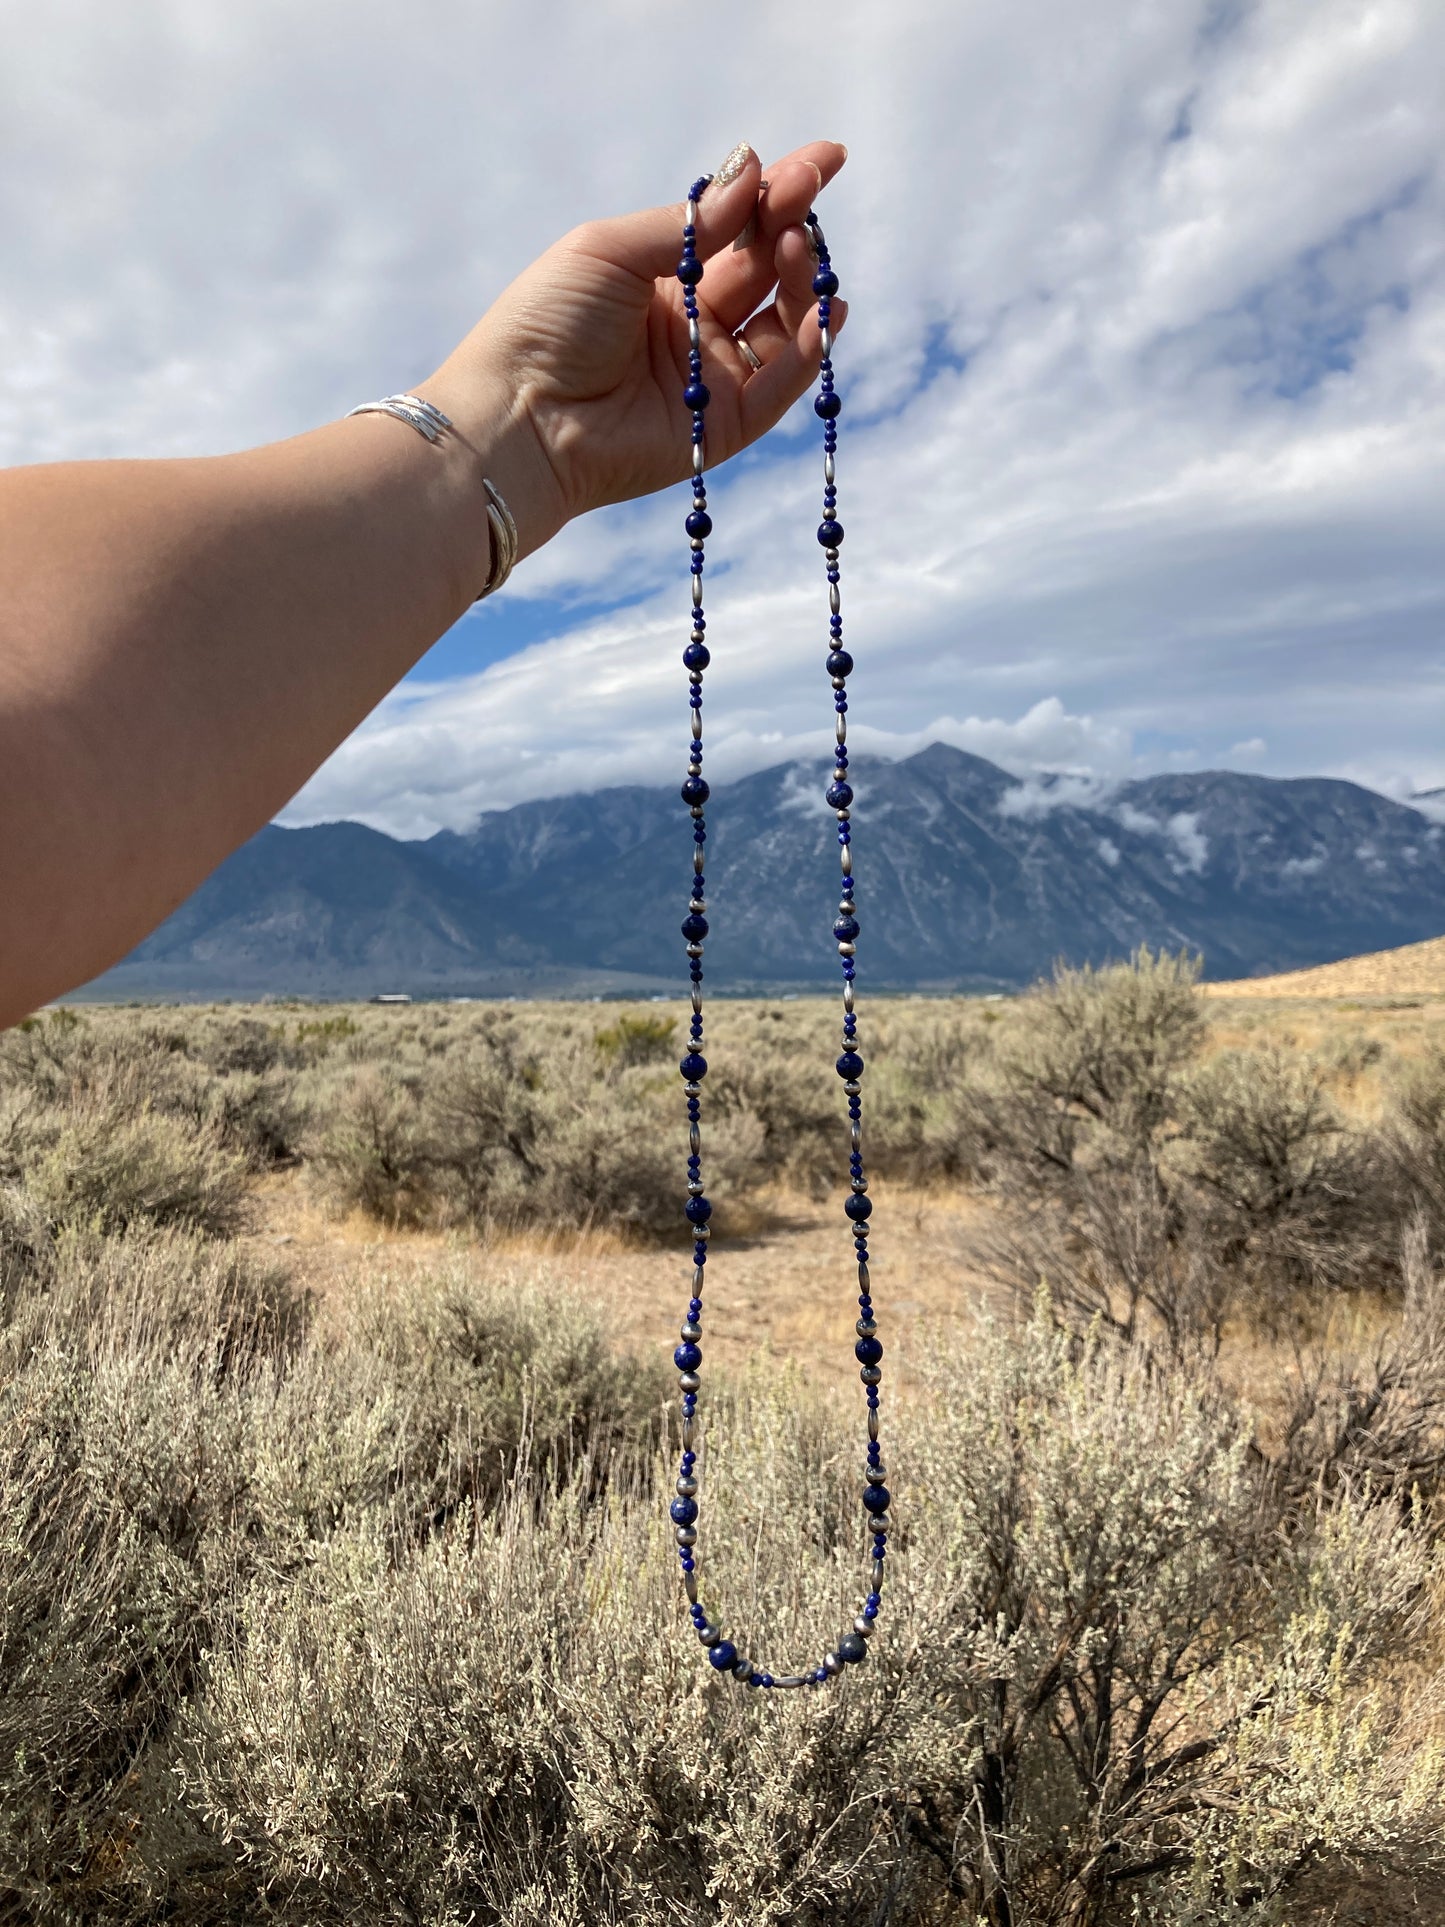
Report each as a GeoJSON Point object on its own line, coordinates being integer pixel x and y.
{"type": "Point", "coordinates": [787, 1287]}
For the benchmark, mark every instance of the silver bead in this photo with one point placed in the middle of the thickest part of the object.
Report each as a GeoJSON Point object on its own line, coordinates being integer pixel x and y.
{"type": "Point", "coordinates": [703, 1231]}
{"type": "Point", "coordinates": [880, 1522]}
{"type": "Point", "coordinates": [696, 727]}
{"type": "Point", "coordinates": [691, 215]}
{"type": "Point", "coordinates": [828, 468]}
{"type": "Point", "coordinates": [686, 1487]}
{"type": "Point", "coordinates": [826, 336]}
{"type": "Point", "coordinates": [697, 545]}
{"type": "Point", "coordinates": [792, 1679]}
{"type": "Point", "coordinates": [691, 1330]}
{"type": "Point", "coordinates": [697, 1281]}
{"type": "Point", "coordinates": [694, 334]}
{"type": "Point", "coordinates": [851, 1087]}
{"type": "Point", "coordinates": [694, 676]}
{"type": "Point", "coordinates": [876, 1474]}
{"type": "Point", "coordinates": [694, 949]}
{"type": "Point", "coordinates": [689, 1382]}
{"type": "Point", "coordinates": [863, 1276]}
{"type": "Point", "coordinates": [846, 854]}
{"type": "Point", "coordinates": [865, 1328]}
{"type": "Point", "coordinates": [744, 1670]}
{"type": "Point", "coordinates": [686, 1535]}
{"type": "Point", "coordinates": [697, 458]}
{"type": "Point", "coordinates": [847, 949]}
{"type": "Point", "coordinates": [872, 1425]}
{"type": "Point", "coordinates": [839, 682]}
{"type": "Point", "coordinates": [870, 1375]}
{"type": "Point", "coordinates": [710, 1634]}
{"type": "Point", "coordinates": [832, 555]}
{"type": "Point", "coordinates": [859, 1184]}
{"type": "Point", "coordinates": [835, 599]}
{"type": "Point", "coordinates": [695, 1187]}
{"type": "Point", "coordinates": [689, 1582]}
{"type": "Point", "coordinates": [862, 1624]}
{"type": "Point", "coordinates": [877, 1575]}
{"type": "Point", "coordinates": [687, 1435]}
{"type": "Point", "coordinates": [833, 1664]}
{"type": "Point", "coordinates": [840, 721]}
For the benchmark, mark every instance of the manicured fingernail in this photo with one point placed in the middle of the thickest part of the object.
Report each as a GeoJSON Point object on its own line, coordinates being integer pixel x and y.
{"type": "Point", "coordinates": [733, 165]}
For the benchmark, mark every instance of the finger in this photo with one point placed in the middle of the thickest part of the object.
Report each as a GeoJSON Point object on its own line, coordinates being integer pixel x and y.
{"type": "Point", "coordinates": [794, 265]}
{"type": "Point", "coordinates": [649, 243]}
{"type": "Point", "coordinates": [789, 365]}
{"type": "Point", "coordinates": [738, 282]}
{"type": "Point", "coordinates": [768, 338]}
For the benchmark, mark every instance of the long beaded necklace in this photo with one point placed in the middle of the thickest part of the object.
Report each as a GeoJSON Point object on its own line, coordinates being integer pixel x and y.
{"type": "Point", "coordinates": [852, 1648]}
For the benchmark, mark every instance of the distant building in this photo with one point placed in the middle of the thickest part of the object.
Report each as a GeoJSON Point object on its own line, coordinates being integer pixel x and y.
{"type": "Point", "coordinates": [392, 997]}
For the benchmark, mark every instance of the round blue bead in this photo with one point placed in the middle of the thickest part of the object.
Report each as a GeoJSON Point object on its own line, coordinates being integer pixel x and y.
{"type": "Point", "coordinates": [850, 1065]}
{"type": "Point", "coordinates": [687, 1357]}
{"type": "Point", "coordinates": [697, 1210]}
{"type": "Point", "coordinates": [693, 1067]}
{"type": "Point", "coordinates": [830, 534]}
{"type": "Point", "coordinates": [694, 928]}
{"type": "Point", "coordinates": [867, 1351]}
{"type": "Point", "coordinates": [689, 271]}
{"type": "Point", "coordinates": [696, 395]}
{"type": "Point", "coordinates": [838, 797]}
{"type": "Point", "coordinates": [829, 406]}
{"type": "Point", "coordinates": [682, 1512]}
{"type": "Point", "coordinates": [875, 1499]}
{"type": "Point", "coordinates": [699, 524]}
{"type": "Point", "coordinates": [724, 1655]}
{"type": "Point", "coordinates": [846, 928]}
{"type": "Point", "coordinates": [839, 663]}
{"type": "Point", "coordinates": [852, 1649]}
{"type": "Point", "coordinates": [695, 791]}
{"type": "Point", "coordinates": [697, 655]}
{"type": "Point", "coordinates": [825, 283]}
{"type": "Point", "coordinates": [859, 1207]}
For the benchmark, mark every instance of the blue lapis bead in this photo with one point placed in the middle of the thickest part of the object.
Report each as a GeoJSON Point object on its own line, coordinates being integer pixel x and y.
{"type": "Point", "coordinates": [838, 796]}
{"type": "Point", "coordinates": [825, 283]}
{"type": "Point", "coordinates": [846, 928]}
{"type": "Point", "coordinates": [699, 524]}
{"type": "Point", "coordinates": [724, 1655]}
{"type": "Point", "coordinates": [829, 405]}
{"type": "Point", "coordinates": [697, 396]}
{"type": "Point", "coordinates": [850, 1065]}
{"type": "Point", "coordinates": [697, 1210]}
{"type": "Point", "coordinates": [852, 1649]}
{"type": "Point", "coordinates": [689, 270]}
{"type": "Point", "coordinates": [694, 928]}
{"type": "Point", "coordinates": [695, 792]}
{"type": "Point", "coordinates": [839, 663]}
{"type": "Point", "coordinates": [875, 1499]}
{"type": "Point", "coordinates": [682, 1512]}
{"type": "Point", "coordinates": [687, 1357]}
{"type": "Point", "coordinates": [693, 1067]}
{"type": "Point", "coordinates": [830, 534]}
{"type": "Point", "coordinates": [867, 1351]}
{"type": "Point", "coordinates": [859, 1207]}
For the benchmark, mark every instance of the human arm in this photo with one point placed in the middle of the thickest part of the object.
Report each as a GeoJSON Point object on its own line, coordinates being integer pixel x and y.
{"type": "Point", "coordinates": [182, 643]}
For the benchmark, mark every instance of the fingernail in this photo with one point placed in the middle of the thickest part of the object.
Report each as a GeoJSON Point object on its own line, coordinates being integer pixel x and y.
{"type": "Point", "coordinates": [733, 165]}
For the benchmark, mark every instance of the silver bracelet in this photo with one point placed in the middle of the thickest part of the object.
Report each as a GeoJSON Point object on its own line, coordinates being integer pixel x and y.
{"type": "Point", "coordinates": [428, 420]}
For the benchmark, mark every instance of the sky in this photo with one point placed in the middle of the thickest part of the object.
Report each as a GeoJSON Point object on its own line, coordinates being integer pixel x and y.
{"type": "Point", "coordinates": [1143, 454]}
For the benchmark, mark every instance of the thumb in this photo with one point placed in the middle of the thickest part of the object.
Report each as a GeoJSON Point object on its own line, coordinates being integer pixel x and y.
{"type": "Point", "coordinates": [649, 243]}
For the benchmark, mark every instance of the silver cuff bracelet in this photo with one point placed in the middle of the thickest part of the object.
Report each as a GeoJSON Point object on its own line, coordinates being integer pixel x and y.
{"type": "Point", "coordinates": [428, 420]}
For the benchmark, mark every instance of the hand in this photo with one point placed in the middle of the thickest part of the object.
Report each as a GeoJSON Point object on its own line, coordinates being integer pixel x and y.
{"type": "Point", "coordinates": [587, 350]}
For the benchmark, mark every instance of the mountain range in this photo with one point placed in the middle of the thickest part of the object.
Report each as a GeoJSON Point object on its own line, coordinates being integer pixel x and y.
{"type": "Point", "coordinates": [968, 877]}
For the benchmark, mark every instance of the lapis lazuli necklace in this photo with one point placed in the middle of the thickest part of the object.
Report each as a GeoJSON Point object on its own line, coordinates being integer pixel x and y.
{"type": "Point", "coordinates": [852, 1648]}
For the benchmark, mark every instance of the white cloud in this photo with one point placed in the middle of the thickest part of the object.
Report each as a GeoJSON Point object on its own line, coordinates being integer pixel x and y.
{"type": "Point", "coordinates": [1303, 866]}
{"type": "Point", "coordinates": [1182, 490]}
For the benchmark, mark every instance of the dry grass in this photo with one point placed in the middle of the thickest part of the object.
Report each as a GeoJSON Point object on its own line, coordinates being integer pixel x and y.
{"type": "Point", "coordinates": [1414, 970]}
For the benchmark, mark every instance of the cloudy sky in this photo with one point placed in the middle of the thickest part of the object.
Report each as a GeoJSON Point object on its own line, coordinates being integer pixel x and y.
{"type": "Point", "coordinates": [1143, 462]}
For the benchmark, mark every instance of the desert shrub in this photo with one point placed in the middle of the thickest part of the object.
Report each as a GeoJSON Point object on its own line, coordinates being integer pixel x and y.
{"type": "Point", "coordinates": [110, 1167]}
{"type": "Point", "coordinates": [1413, 1144]}
{"type": "Point", "coordinates": [372, 1153]}
{"type": "Point", "coordinates": [638, 1039]}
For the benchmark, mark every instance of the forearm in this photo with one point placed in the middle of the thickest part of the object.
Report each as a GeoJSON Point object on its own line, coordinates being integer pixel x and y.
{"type": "Point", "coordinates": [183, 642]}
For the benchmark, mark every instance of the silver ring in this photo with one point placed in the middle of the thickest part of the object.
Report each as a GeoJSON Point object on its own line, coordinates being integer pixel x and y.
{"type": "Point", "coordinates": [747, 353]}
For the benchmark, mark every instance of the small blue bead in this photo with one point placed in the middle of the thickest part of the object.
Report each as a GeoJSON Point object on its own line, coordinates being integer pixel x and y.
{"type": "Point", "coordinates": [687, 1357]}
{"type": "Point", "coordinates": [830, 534]}
{"type": "Point", "coordinates": [697, 1210]}
{"type": "Point", "coordinates": [724, 1655]}
{"type": "Point", "coordinates": [699, 524]}
{"type": "Point", "coordinates": [682, 1512]}
{"type": "Point", "coordinates": [867, 1351]}
{"type": "Point", "coordinates": [858, 1207]}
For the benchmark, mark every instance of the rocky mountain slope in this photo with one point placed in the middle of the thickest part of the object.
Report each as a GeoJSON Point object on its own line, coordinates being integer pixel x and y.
{"type": "Point", "coordinates": [967, 877]}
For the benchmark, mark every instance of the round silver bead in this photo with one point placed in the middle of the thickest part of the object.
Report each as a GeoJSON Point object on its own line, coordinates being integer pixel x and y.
{"type": "Point", "coordinates": [860, 1185]}
{"type": "Point", "coordinates": [703, 1231]}
{"type": "Point", "coordinates": [880, 1522]}
{"type": "Point", "coordinates": [686, 1487]}
{"type": "Point", "coordinates": [689, 1382]}
{"type": "Point", "coordinates": [744, 1669]}
{"type": "Point", "coordinates": [839, 682]}
{"type": "Point", "coordinates": [847, 949]}
{"type": "Point", "coordinates": [694, 949]}
{"type": "Point", "coordinates": [862, 1624]}
{"type": "Point", "coordinates": [697, 545]}
{"type": "Point", "coordinates": [865, 1328]}
{"type": "Point", "coordinates": [695, 1187]}
{"type": "Point", "coordinates": [686, 1535]}
{"type": "Point", "coordinates": [870, 1375]}
{"type": "Point", "coordinates": [710, 1634]}
{"type": "Point", "coordinates": [832, 555]}
{"type": "Point", "coordinates": [875, 1474]}
{"type": "Point", "coordinates": [691, 1330]}
{"type": "Point", "coordinates": [833, 1664]}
